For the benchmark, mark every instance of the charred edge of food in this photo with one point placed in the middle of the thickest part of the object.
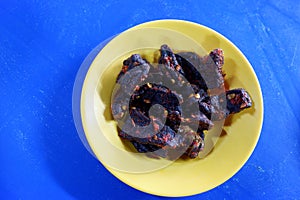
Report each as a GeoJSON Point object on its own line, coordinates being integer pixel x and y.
{"type": "Point", "coordinates": [130, 63]}
{"type": "Point", "coordinates": [160, 139]}
{"type": "Point", "coordinates": [168, 58]}
{"type": "Point", "coordinates": [197, 144]}
{"type": "Point", "coordinates": [144, 148]}
{"type": "Point", "coordinates": [191, 74]}
{"type": "Point", "coordinates": [210, 67]}
{"type": "Point", "coordinates": [217, 56]}
{"type": "Point", "coordinates": [150, 94]}
{"type": "Point", "coordinates": [237, 100]}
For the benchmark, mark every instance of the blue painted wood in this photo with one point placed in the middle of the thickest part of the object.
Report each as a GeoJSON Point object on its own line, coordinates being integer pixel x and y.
{"type": "Point", "coordinates": [42, 44]}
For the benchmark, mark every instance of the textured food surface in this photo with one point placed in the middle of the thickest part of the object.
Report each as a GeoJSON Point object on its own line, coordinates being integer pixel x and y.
{"type": "Point", "coordinates": [179, 124]}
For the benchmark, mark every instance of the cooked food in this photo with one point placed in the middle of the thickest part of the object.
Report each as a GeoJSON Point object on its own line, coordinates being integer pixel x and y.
{"type": "Point", "coordinates": [178, 125]}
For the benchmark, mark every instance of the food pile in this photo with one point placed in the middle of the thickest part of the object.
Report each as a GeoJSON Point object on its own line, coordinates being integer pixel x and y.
{"type": "Point", "coordinates": [170, 105]}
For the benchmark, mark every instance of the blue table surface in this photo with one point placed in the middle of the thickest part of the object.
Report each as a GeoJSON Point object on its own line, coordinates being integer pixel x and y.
{"type": "Point", "coordinates": [43, 43]}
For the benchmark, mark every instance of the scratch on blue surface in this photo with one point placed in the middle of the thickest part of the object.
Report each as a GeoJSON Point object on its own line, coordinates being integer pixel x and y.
{"type": "Point", "coordinates": [41, 91]}
{"type": "Point", "coordinates": [294, 55]}
{"type": "Point", "coordinates": [235, 179]}
{"type": "Point", "coordinates": [290, 11]}
{"type": "Point", "coordinates": [262, 25]}
{"type": "Point", "coordinates": [260, 169]}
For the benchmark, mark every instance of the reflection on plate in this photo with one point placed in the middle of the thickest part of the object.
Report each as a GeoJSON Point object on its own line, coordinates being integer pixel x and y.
{"type": "Point", "coordinates": [183, 177]}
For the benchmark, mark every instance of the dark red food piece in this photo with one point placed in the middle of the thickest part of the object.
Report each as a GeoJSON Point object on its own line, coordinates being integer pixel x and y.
{"type": "Point", "coordinates": [141, 101]}
{"type": "Point", "coordinates": [192, 74]}
{"type": "Point", "coordinates": [210, 67]}
{"type": "Point", "coordinates": [186, 142]}
{"type": "Point", "coordinates": [168, 58]}
{"type": "Point", "coordinates": [128, 83]}
{"type": "Point", "coordinates": [144, 148]}
{"type": "Point", "coordinates": [217, 56]}
{"type": "Point", "coordinates": [237, 100]}
{"type": "Point", "coordinates": [160, 139]}
{"type": "Point", "coordinates": [174, 136]}
{"type": "Point", "coordinates": [130, 63]}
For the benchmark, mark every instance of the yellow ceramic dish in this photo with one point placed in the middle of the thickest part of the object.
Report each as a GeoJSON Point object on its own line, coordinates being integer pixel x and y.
{"type": "Point", "coordinates": [183, 177]}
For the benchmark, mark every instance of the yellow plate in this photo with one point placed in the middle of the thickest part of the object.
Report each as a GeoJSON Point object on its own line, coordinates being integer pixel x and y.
{"type": "Point", "coordinates": [183, 177]}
